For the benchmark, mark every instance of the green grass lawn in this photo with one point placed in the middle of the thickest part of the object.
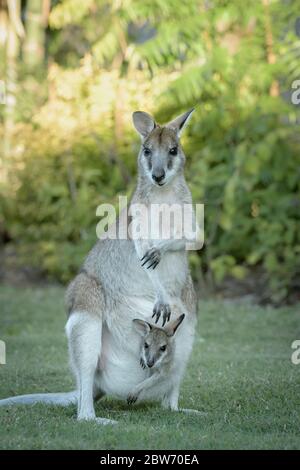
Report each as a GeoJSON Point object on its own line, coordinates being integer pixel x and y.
{"type": "Point", "coordinates": [240, 375]}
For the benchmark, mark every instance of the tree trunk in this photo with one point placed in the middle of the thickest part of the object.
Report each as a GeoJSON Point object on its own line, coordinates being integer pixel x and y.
{"type": "Point", "coordinates": [14, 31]}
{"type": "Point", "coordinates": [3, 41]}
{"type": "Point", "coordinates": [36, 21]}
{"type": "Point", "coordinates": [271, 57]}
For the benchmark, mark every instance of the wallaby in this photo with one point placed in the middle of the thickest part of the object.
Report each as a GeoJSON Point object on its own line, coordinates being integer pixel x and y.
{"type": "Point", "coordinates": [156, 355]}
{"type": "Point", "coordinates": [123, 276]}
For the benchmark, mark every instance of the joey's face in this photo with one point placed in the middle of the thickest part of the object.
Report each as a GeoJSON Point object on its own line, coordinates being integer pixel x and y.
{"type": "Point", "coordinates": [155, 347]}
{"type": "Point", "coordinates": [161, 156]}
{"type": "Point", "coordinates": [157, 342]}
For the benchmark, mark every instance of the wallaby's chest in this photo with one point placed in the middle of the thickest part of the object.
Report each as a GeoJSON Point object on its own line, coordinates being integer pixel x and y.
{"type": "Point", "coordinates": [159, 218]}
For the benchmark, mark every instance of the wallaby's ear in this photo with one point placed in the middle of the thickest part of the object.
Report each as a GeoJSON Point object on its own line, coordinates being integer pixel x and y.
{"type": "Point", "coordinates": [172, 326]}
{"type": "Point", "coordinates": [141, 326]}
{"type": "Point", "coordinates": [179, 123]}
{"type": "Point", "coordinates": [143, 123]}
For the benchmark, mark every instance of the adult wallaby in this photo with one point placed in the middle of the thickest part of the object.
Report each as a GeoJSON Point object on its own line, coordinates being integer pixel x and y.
{"type": "Point", "coordinates": [125, 278]}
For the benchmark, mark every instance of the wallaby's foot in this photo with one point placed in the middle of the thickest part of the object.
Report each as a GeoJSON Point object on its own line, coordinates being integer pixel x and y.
{"type": "Point", "coordinates": [151, 258]}
{"type": "Point", "coordinates": [168, 407]}
{"type": "Point", "coordinates": [191, 411]}
{"type": "Point", "coordinates": [86, 416]}
{"type": "Point", "coordinates": [105, 421]}
{"type": "Point", "coordinates": [94, 419]}
{"type": "Point", "coordinates": [174, 407]}
{"type": "Point", "coordinates": [161, 308]}
{"type": "Point", "coordinates": [171, 403]}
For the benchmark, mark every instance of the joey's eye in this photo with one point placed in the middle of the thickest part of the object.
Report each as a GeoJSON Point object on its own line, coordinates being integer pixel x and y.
{"type": "Point", "coordinates": [147, 152]}
{"type": "Point", "coordinates": [173, 151]}
{"type": "Point", "coordinates": [163, 348]}
{"type": "Point", "coordinates": [146, 345]}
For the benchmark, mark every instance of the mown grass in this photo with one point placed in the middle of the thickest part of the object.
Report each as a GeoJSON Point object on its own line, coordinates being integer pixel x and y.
{"type": "Point", "coordinates": [240, 375]}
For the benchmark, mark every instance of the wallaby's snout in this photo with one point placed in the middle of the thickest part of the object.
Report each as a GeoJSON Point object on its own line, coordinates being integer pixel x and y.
{"type": "Point", "coordinates": [158, 175]}
{"type": "Point", "coordinates": [150, 363]}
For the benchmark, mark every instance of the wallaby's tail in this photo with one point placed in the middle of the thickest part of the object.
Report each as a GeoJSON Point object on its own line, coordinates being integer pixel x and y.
{"type": "Point", "coordinates": [60, 399]}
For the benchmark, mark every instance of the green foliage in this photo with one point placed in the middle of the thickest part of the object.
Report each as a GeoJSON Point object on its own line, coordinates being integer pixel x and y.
{"type": "Point", "coordinates": [76, 148]}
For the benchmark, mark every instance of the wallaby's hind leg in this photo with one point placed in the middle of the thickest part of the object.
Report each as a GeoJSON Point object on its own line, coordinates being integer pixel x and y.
{"type": "Point", "coordinates": [84, 333]}
{"type": "Point", "coordinates": [85, 304]}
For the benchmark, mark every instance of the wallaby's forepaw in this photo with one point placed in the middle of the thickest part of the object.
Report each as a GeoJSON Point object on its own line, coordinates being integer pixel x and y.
{"type": "Point", "coordinates": [151, 258]}
{"type": "Point", "coordinates": [131, 399]}
{"type": "Point", "coordinates": [142, 363]}
{"type": "Point", "coordinates": [163, 309]}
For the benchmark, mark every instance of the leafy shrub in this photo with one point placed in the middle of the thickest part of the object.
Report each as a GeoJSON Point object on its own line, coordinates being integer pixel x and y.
{"type": "Point", "coordinates": [77, 149]}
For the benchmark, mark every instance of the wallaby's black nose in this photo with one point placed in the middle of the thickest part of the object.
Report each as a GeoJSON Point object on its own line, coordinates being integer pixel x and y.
{"type": "Point", "coordinates": [150, 363]}
{"type": "Point", "coordinates": [158, 176]}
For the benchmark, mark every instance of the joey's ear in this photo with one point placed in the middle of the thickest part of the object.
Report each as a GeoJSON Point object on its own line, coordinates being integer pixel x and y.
{"type": "Point", "coordinates": [143, 123]}
{"type": "Point", "coordinates": [172, 326]}
{"type": "Point", "coordinates": [179, 123]}
{"type": "Point", "coordinates": [141, 326]}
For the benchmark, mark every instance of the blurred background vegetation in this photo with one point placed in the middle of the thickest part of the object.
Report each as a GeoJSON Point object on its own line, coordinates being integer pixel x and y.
{"type": "Point", "coordinates": [71, 74]}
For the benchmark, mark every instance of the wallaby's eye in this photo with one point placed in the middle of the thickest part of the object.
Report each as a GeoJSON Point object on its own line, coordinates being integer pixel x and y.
{"type": "Point", "coordinates": [147, 152]}
{"type": "Point", "coordinates": [146, 345]}
{"type": "Point", "coordinates": [173, 151]}
{"type": "Point", "coordinates": [163, 348]}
